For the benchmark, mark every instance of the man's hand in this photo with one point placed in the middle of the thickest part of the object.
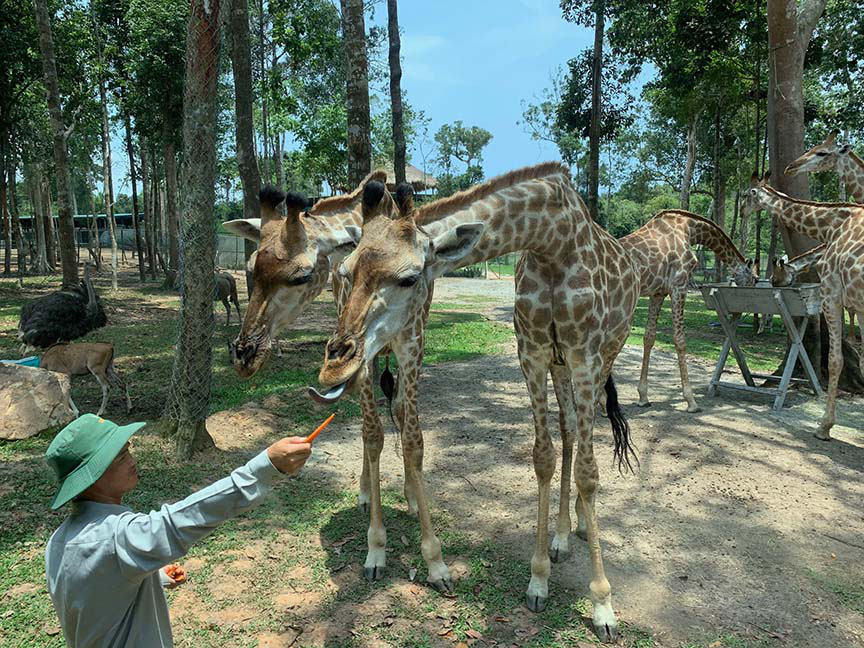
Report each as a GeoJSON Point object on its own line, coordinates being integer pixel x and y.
{"type": "Point", "coordinates": [176, 575]}
{"type": "Point", "coordinates": [288, 455]}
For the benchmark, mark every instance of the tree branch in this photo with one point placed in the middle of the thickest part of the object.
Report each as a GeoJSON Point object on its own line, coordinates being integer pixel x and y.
{"type": "Point", "coordinates": [811, 11]}
{"type": "Point", "coordinates": [68, 131]}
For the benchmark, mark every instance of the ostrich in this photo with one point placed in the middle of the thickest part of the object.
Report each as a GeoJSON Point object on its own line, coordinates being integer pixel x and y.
{"type": "Point", "coordinates": [61, 316]}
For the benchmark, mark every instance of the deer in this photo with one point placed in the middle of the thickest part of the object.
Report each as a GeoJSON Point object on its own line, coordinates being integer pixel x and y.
{"type": "Point", "coordinates": [226, 288]}
{"type": "Point", "coordinates": [79, 359]}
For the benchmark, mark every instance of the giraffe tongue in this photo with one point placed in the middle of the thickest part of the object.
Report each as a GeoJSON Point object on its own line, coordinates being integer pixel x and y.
{"type": "Point", "coordinates": [330, 396]}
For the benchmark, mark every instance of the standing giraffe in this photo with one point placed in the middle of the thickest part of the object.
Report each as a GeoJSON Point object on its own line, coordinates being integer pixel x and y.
{"type": "Point", "coordinates": [841, 227]}
{"type": "Point", "coordinates": [661, 252]}
{"type": "Point", "coordinates": [575, 296]}
{"type": "Point", "coordinates": [295, 254]}
{"type": "Point", "coordinates": [785, 273]}
{"type": "Point", "coordinates": [830, 156]}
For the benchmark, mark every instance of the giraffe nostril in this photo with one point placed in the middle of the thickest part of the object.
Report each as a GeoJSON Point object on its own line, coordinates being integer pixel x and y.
{"type": "Point", "coordinates": [343, 349]}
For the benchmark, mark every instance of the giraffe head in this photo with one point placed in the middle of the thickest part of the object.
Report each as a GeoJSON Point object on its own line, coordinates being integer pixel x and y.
{"type": "Point", "coordinates": [782, 274]}
{"type": "Point", "coordinates": [289, 268]}
{"type": "Point", "coordinates": [822, 157]}
{"type": "Point", "coordinates": [391, 273]}
{"type": "Point", "coordinates": [745, 273]}
{"type": "Point", "coordinates": [757, 196]}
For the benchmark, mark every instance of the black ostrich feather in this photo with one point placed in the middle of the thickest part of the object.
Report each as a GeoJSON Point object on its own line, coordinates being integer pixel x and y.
{"type": "Point", "coordinates": [61, 316]}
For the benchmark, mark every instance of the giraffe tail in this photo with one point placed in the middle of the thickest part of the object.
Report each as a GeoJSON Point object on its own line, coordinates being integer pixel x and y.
{"type": "Point", "coordinates": [624, 450]}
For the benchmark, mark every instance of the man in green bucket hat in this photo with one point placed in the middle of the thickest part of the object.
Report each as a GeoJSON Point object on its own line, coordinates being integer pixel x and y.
{"type": "Point", "coordinates": [104, 563]}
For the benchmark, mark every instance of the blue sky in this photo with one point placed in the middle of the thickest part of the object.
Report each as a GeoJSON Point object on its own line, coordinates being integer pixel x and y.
{"type": "Point", "coordinates": [474, 60]}
{"type": "Point", "coordinates": [477, 60]}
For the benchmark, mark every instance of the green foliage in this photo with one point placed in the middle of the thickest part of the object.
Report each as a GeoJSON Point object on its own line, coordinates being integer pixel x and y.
{"type": "Point", "coordinates": [464, 143]}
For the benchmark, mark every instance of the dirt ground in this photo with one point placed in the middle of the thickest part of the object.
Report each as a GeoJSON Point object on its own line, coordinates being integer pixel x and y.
{"type": "Point", "coordinates": [737, 521]}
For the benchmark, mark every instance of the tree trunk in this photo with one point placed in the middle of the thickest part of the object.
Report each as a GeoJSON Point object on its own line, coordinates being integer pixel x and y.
{"type": "Point", "coordinates": [133, 179]}
{"type": "Point", "coordinates": [148, 213]}
{"type": "Point", "coordinates": [265, 131]}
{"type": "Point", "coordinates": [61, 155]}
{"type": "Point", "coordinates": [396, 92]}
{"type": "Point", "coordinates": [789, 32]}
{"type": "Point", "coordinates": [93, 225]}
{"type": "Point", "coordinates": [241, 56]}
{"type": "Point", "coordinates": [17, 230]}
{"type": "Point", "coordinates": [48, 224]}
{"type": "Point", "coordinates": [170, 155]}
{"type": "Point", "coordinates": [596, 107]}
{"type": "Point", "coordinates": [191, 379]}
{"type": "Point", "coordinates": [4, 211]}
{"type": "Point", "coordinates": [34, 182]}
{"type": "Point", "coordinates": [357, 68]}
{"type": "Point", "coordinates": [719, 193]}
{"type": "Point", "coordinates": [277, 159]}
{"type": "Point", "coordinates": [108, 181]}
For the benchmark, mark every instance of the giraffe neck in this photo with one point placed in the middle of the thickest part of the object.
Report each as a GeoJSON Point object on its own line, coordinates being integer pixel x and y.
{"type": "Point", "coordinates": [820, 221]}
{"type": "Point", "coordinates": [803, 261]}
{"type": "Point", "coordinates": [851, 169]}
{"type": "Point", "coordinates": [533, 215]}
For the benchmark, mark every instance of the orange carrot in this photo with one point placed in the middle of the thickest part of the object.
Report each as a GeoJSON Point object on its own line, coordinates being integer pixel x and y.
{"type": "Point", "coordinates": [317, 431]}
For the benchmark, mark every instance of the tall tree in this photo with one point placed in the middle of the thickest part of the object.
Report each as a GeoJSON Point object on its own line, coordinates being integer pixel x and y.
{"type": "Point", "coordinates": [357, 98]}
{"type": "Point", "coordinates": [192, 374]}
{"type": "Point", "coordinates": [61, 155]}
{"type": "Point", "coordinates": [790, 27]}
{"type": "Point", "coordinates": [133, 179]}
{"type": "Point", "coordinates": [241, 57]}
{"type": "Point", "coordinates": [396, 92]}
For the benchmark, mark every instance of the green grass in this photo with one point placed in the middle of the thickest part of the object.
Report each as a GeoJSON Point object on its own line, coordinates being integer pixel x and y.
{"type": "Point", "coordinates": [705, 336]}
{"type": "Point", "coordinates": [849, 594]}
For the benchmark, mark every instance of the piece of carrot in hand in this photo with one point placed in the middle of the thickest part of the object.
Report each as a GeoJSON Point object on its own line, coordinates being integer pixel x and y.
{"type": "Point", "coordinates": [317, 431]}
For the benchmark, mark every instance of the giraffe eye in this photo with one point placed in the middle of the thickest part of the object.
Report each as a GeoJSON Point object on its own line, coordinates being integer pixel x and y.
{"type": "Point", "coordinates": [407, 282]}
{"type": "Point", "coordinates": [822, 153]}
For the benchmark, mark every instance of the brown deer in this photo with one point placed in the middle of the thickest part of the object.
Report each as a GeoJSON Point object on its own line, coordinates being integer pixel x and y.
{"type": "Point", "coordinates": [96, 358]}
{"type": "Point", "coordinates": [226, 288]}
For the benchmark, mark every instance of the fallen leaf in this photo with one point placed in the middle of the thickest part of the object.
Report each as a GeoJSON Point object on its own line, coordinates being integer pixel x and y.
{"type": "Point", "coordinates": [7, 614]}
{"type": "Point", "coordinates": [502, 619]}
{"type": "Point", "coordinates": [474, 634]}
{"type": "Point", "coordinates": [341, 542]}
{"type": "Point", "coordinates": [461, 644]}
{"type": "Point", "coordinates": [52, 630]}
{"type": "Point", "coordinates": [443, 632]}
{"type": "Point", "coordinates": [388, 621]}
{"type": "Point", "coordinates": [404, 540]}
{"type": "Point", "coordinates": [412, 574]}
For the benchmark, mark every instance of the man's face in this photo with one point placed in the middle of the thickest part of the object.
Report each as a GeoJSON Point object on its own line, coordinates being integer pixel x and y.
{"type": "Point", "coordinates": [121, 476]}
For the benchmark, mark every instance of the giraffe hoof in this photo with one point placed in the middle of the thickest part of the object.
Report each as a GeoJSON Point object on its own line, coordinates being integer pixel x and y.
{"type": "Point", "coordinates": [607, 633]}
{"type": "Point", "coordinates": [363, 505]}
{"type": "Point", "coordinates": [558, 554]}
{"type": "Point", "coordinates": [822, 435]}
{"type": "Point", "coordinates": [643, 403]}
{"type": "Point", "coordinates": [692, 409]}
{"type": "Point", "coordinates": [373, 573]}
{"type": "Point", "coordinates": [535, 603]}
{"type": "Point", "coordinates": [444, 586]}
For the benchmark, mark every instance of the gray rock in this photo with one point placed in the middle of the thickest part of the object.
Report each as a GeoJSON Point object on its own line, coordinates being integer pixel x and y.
{"type": "Point", "coordinates": [32, 400]}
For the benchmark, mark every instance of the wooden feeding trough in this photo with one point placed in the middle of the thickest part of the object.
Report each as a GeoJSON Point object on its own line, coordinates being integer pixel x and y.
{"type": "Point", "coordinates": [791, 304]}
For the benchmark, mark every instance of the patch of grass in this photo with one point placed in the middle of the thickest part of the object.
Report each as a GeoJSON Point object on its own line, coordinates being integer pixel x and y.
{"type": "Point", "coordinates": [705, 336]}
{"type": "Point", "coordinates": [459, 336]}
{"type": "Point", "coordinates": [849, 594]}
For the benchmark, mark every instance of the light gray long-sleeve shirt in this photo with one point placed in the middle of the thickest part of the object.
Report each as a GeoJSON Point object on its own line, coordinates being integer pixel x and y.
{"type": "Point", "coordinates": [103, 563]}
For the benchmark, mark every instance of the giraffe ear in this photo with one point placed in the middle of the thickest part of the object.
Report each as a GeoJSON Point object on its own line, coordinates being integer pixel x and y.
{"type": "Point", "coordinates": [754, 180]}
{"type": "Point", "coordinates": [247, 228]}
{"type": "Point", "coordinates": [449, 249]}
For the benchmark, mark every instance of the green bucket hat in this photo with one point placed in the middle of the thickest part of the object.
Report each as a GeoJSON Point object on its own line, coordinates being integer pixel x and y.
{"type": "Point", "coordinates": [82, 451]}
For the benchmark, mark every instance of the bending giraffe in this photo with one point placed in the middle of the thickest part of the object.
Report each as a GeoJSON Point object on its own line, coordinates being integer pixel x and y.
{"type": "Point", "coordinates": [841, 227]}
{"type": "Point", "coordinates": [575, 298]}
{"type": "Point", "coordinates": [661, 251]}
{"type": "Point", "coordinates": [830, 156]}
{"type": "Point", "coordinates": [296, 252]}
{"type": "Point", "coordinates": [786, 272]}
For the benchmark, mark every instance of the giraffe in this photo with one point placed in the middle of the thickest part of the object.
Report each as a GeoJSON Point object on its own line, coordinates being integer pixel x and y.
{"type": "Point", "coordinates": [840, 226]}
{"type": "Point", "coordinates": [575, 296]}
{"type": "Point", "coordinates": [660, 249]}
{"type": "Point", "coordinates": [829, 156]}
{"type": "Point", "coordinates": [295, 254]}
{"type": "Point", "coordinates": [785, 272]}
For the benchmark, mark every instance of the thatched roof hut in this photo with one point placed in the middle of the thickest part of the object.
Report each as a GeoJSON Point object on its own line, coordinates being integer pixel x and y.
{"type": "Point", "coordinates": [419, 180]}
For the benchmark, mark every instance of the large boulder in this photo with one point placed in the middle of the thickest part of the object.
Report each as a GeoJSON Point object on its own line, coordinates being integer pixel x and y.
{"type": "Point", "coordinates": [32, 400]}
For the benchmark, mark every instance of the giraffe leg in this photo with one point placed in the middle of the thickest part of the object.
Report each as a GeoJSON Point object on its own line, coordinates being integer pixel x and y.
{"type": "Point", "coordinates": [677, 298]}
{"type": "Point", "coordinates": [654, 304]}
{"type": "Point", "coordinates": [560, 547]}
{"type": "Point", "coordinates": [586, 477]}
{"type": "Point", "coordinates": [373, 442]}
{"type": "Point", "coordinates": [861, 348]}
{"type": "Point", "coordinates": [851, 334]}
{"type": "Point", "coordinates": [832, 309]}
{"type": "Point", "coordinates": [412, 446]}
{"type": "Point", "coordinates": [364, 496]}
{"type": "Point", "coordinates": [544, 467]}
{"type": "Point", "coordinates": [410, 497]}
